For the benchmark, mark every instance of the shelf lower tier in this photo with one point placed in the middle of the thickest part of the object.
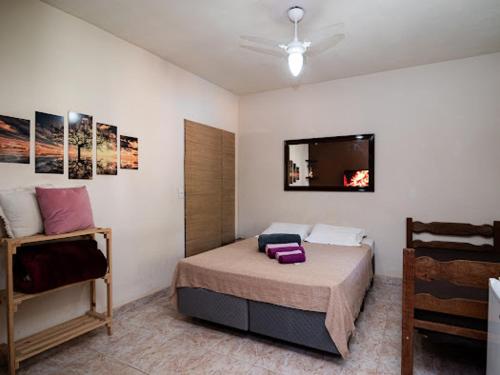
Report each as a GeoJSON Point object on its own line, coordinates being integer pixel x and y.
{"type": "Point", "coordinates": [19, 297]}
{"type": "Point", "coordinates": [56, 335]}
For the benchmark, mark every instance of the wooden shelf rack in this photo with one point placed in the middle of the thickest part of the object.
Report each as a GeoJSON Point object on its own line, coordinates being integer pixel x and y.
{"type": "Point", "coordinates": [27, 347]}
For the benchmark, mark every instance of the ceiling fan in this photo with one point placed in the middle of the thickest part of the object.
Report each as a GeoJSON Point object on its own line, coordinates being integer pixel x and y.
{"type": "Point", "coordinates": [296, 49]}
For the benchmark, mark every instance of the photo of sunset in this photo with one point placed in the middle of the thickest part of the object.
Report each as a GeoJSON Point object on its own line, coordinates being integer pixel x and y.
{"type": "Point", "coordinates": [129, 152]}
{"type": "Point", "coordinates": [14, 140]}
{"type": "Point", "coordinates": [80, 146]}
{"type": "Point", "coordinates": [49, 143]}
{"type": "Point", "coordinates": [107, 144]}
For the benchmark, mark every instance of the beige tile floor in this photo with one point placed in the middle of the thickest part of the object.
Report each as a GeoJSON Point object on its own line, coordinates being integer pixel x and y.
{"type": "Point", "coordinates": [151, 338]}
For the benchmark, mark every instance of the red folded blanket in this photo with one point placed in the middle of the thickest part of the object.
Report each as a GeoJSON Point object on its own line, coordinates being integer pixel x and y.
{"type": "Point", "coordinates": [42, 267]}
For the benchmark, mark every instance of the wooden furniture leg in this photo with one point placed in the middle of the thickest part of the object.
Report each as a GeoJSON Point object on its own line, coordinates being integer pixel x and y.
{"type": "Point", "coordinates": [93, 303]}
{"type": "Point", "coordinates": [92, 296]}
{"type": "Point", "coordinates": [408, 312]}
{"type": "Point", "coordinates": [9, 286]}
{"type": "Point", "coordinates": [109, 283]}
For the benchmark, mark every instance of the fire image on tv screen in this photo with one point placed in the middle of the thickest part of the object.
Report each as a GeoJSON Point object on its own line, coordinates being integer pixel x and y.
{"type": "Point", "coordinates": [359, 178]}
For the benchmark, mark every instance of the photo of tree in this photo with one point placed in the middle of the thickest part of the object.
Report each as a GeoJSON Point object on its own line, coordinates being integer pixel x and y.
{"type": "Point", "coordinates": [80, 146]}
{"type": "Point", "coordinates": [107, 145]}
{"type": "Point", "coordinates": [49, 143]}
{"type": "Point", "coordinates": [14, 140]}
{"type": "Point", "coordinates": [129, 152]}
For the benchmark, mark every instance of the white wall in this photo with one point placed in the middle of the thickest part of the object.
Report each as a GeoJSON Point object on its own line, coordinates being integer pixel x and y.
{"type": "Point", "coordinates": [53, 62]}
{"type": "Point", "coordinates": [437, 146]}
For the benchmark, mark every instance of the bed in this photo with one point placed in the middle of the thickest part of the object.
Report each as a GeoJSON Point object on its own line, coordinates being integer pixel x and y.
{"type": "Point", "coordinates": [313, 304]}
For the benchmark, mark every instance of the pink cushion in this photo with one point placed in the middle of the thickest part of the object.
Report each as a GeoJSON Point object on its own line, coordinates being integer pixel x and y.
{"type": "Point", "coordinates": [65, 210]}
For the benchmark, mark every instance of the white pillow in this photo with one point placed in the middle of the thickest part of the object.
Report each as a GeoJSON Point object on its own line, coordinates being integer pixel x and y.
{"type": "Point", "coordinates": [334, 235]}
{"type": "Point", "coordinates": [302, 230]}
{"type": "Point", "coordinates": [20, 212]}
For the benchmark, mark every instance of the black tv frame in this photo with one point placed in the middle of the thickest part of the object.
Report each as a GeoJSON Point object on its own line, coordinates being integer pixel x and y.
{"type": "Point", "coordinates": [343, 138]}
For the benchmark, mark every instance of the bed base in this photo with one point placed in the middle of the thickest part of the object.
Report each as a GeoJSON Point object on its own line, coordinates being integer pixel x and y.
{"type": "Point", "coordinates": [215, 307]}
{"type": "Point", "coordinates": [306, 328]}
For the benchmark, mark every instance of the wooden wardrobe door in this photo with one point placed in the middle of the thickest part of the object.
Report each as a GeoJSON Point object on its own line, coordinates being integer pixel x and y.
{"type": "Point", "coordinates": [203, 186]}
{"type": "Point", "coordinates": [228, 187]}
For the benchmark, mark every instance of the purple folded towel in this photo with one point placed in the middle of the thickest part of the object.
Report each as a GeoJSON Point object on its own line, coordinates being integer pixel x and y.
{"type": "Point", "coordinates": [292, 257]}
{"type": "Point", "coordinates": [280, 254]}
{"type": "Point", "coordinates": [272, 249]}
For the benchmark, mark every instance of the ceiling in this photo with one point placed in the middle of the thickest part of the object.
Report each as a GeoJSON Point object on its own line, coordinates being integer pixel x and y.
{"type": "Point", "coordinates": [202, 36]}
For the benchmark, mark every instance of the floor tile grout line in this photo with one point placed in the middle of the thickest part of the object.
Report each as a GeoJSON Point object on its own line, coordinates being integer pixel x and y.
{"type": "Point", "coordinates": [244, 360]}
{"type": "Point", "coordinates": [241, 359]}
{"type": "Point", "coordinates": [263, 368]}
{"type": "Point", "coordinates": [115, 359]}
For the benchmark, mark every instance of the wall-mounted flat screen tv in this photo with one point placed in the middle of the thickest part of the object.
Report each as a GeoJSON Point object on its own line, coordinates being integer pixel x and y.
{"type": "Point", "coordinates": [344, 163]}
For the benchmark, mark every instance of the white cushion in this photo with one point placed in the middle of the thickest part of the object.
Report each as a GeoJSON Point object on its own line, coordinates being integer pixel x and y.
{"type": "Point", "coordinates": [334, 235]}
{"type": "Point", "coordinates": [302, 230]}
{"type": "Point", "coordinates": [20, 212]}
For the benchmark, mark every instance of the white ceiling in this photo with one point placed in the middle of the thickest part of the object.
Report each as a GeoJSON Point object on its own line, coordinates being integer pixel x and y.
{"type": "Point", "coordinates": [202, 36]}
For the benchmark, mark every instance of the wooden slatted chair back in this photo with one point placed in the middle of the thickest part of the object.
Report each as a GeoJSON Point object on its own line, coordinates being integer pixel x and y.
{"type": "Point", "coordinates": [460, 271]}
{"type": "Point", "coordinates": [455, 230]}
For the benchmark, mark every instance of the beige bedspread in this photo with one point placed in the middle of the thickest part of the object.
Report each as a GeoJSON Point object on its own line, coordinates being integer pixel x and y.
{"type": "Point", "coordinates": [333, 280]}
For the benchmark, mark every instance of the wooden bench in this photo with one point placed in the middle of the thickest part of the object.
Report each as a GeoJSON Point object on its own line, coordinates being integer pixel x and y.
{"type": "Point", "coordinates": [445, 283]}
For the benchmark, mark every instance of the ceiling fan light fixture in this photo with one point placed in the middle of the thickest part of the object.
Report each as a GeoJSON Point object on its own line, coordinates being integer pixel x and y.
{"type": "Point", "coordinates": [295, 63]}
{"type": "Point", "coordinates": [296, 48]}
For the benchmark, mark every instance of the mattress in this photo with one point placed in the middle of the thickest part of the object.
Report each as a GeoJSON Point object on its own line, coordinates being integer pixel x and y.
{"type": "Point", "coordinates": [333, 280]}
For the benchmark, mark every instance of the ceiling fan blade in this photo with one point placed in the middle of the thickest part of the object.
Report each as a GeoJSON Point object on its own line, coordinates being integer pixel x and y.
{"type": "Point", "coordinates": [326, 44]}
{"type": "Point", "coordinates": [265, 51]}
{"type": "Point", "coordinates": [323, 31]}
{"type": "Point", "coordinates": [260, 40]}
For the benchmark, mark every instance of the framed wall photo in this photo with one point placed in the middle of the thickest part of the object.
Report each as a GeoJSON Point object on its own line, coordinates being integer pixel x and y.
{"type": "Point", "coordinates": [106, 149]}
{"type": "Point", "coordinates": [49, 143]}
{"type": "Point", "coordinates": [129, 152]}
{"type": "Point", "coordinates": [80, 146]}
{"type": "Point", "coordinates": [14, 140]}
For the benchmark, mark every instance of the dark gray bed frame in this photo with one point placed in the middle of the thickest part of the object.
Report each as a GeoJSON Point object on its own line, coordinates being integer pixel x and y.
{"type": "Point", "coordinates": [297, 326]}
